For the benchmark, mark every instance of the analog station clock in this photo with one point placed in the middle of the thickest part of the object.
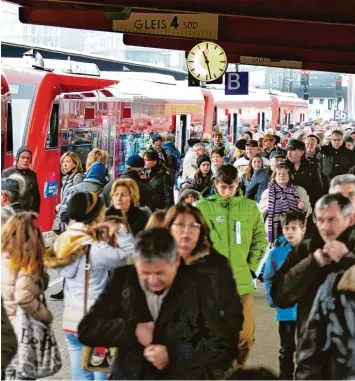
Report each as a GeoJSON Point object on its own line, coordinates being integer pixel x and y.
{"type": "Point", "coordinates": [207, 61]}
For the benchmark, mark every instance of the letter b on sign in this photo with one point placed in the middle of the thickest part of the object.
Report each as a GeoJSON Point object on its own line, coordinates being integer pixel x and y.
{"type": "Point", "coordinates": [237, 83]}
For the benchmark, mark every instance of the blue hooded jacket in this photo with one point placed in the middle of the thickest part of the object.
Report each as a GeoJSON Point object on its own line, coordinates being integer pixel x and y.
{"type": "Point", "coordinates": [275, 260]}
{"type": "Point", "coordinates": [97, 172]}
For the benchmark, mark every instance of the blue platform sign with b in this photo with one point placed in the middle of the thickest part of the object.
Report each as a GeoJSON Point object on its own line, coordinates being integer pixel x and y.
{"type": "Point", "coordinates": [237, 83]}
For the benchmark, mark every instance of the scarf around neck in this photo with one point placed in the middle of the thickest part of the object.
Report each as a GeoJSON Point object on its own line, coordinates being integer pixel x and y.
{"type": "Point", "coordinates": [281, 200]}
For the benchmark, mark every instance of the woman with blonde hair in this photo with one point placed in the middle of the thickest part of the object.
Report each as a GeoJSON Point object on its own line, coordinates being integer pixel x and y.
{"type": "Point", "coordinates": [96, 154]}
{"type": "Point", "coordinates": [72, 171]}
{"type": "Point", "coordinates": [125, 203]}
{"type": "Point", "coordinates": [156, 220]}
{"type": "Point", "coordinates": [85, 252]}
{"type": "Point", "coordinates": [23, 278]}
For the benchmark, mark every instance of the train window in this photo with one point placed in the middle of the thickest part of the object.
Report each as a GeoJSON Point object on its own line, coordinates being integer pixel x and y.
{"type": "Point", "coordinates": [310, 101]}
{"type": "Point", "coordinates": [53, 129]}
{"type": "Point", "coordinates": [321, 101]}
{"type": "Point", "coordinates": [10, 135]}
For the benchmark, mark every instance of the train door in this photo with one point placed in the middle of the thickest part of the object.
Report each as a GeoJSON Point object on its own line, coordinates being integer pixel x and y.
{"type": "Point", "coordinates": [52, 154]}
{"type": "Point", "coordinates": [7, 138]}
{"type": "Point", "coordinates": [235, 128]}
{"type": "Point", "coordinates": [108, 140]}
{"type": "Point", "coordinates": [263, 121]}
{"type": "Point", "coordinates": [181, 132]}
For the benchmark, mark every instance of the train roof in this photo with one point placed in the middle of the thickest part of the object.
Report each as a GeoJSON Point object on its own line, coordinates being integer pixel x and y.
{"type": "Point", "coordinates": [142, 76]}
{"type": "Point", "coordinates": [47, 52]}
{"type": "Point", "coordinates": [163, 93]}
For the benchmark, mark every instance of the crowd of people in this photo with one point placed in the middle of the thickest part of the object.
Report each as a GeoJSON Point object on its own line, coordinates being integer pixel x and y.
{"type": "Point", "coordinates": [160, 266]}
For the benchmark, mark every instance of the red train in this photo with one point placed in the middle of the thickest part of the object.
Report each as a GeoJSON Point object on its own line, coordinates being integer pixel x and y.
{"type": "Point", "coordinates": [53, 109]}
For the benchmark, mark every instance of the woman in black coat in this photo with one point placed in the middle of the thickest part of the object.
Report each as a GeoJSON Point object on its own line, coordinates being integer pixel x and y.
{"type": "Point", "coordinates": [125, 201]}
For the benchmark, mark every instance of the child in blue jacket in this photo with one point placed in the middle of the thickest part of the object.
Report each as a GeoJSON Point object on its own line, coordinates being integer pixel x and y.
{"type": "Point", "coordinates": [293, 229]}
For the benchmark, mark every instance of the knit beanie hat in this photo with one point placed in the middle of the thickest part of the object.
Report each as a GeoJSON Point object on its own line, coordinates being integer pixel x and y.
{"type": "Point", "coordinates": [241, 144]}
{"type": "Point", "coordinates": [22, 150]}
{"type": "Point", "coordinates": [202, 159]}
{"type": "Point", "coordinates": [135, 161]}
{"type": "Point", "coordinates": [97, 171]}
{"type": "Point", "coordinates": [84, 207]}
{"type": "Point", "coordinates": [156, 137]}
{"type": "Point", "coordinates": [191, 142]}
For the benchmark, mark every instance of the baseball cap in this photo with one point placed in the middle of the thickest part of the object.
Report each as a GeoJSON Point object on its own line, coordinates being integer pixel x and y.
{"type": "Point", "coordinates": [294, 144]}
{"type": "Point", "coordinates": [252, 143]}
{"type": "Point", "coordinates": [277, 153]}
{"type": "Point", "coordinates": [10, 185]}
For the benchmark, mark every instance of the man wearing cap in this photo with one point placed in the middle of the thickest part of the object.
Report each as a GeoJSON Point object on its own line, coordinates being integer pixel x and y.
{"type": "Point", "coordinates": [31, 199]}
{"type": "Point", "coordinates": [251, 149]}
{"type": "Point", "coordinates": [10, 194]}
{"type": "Point", "coordinates": [269, 145]}
{"type": "Point", "coordinates": [260, 180]}
{"type": "Point", "coordinates": [306, 174]}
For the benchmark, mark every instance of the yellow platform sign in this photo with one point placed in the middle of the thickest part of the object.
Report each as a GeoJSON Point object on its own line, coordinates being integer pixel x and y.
{"type": "Point", "coordinates": [200, 26]}
{"type": "Point", "coordinates": [261, 61]}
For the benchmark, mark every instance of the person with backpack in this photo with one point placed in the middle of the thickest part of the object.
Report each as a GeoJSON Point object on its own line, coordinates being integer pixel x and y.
{"type": "Point", "coordinates": [173, 156]}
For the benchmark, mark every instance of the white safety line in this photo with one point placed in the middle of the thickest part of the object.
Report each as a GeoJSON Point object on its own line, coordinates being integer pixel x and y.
{"type": "Point", "coordinates": [55, 281]}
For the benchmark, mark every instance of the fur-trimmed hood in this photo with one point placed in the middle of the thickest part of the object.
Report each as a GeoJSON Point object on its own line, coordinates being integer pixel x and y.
{"type": "Point", "coordinates": [186, 191]}
{"type": "Point", "coordinates": [68, 247]}
{"type": "Point", "coordinates": [347, 281]}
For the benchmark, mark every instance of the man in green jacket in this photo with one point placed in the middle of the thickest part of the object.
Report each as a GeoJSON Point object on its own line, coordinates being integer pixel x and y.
{"type": "Point", "coordinates": [237, 231]}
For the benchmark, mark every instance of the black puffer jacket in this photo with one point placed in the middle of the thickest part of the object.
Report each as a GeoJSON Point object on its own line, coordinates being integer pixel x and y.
{"type": "Point", "coordinates": [160, 181]}
{"type": "Point", "coordinates": [137, 217]}
{"type": "Point", "coordinates": [326, 350]}
{"type": "Point", "coordinates": [336, 162]}
{"type": "Point", "coordinates": [31, 199]}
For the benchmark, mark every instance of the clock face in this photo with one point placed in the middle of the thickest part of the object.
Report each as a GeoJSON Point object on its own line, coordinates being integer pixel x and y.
{"type": "Point", "coordinates": [207, 61]}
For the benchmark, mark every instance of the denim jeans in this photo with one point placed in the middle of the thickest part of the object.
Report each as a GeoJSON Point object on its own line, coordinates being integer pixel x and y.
{"type": "Point", "coordinates": [75, 350]}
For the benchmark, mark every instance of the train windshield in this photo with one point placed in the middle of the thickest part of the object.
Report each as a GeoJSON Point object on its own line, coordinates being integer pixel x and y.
{"type": "Point", "coordinates": [22, 97]}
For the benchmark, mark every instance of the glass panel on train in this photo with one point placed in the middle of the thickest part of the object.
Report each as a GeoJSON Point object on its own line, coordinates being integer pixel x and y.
{"type": "Point", "coordinates": [10, 131]}
{"type": "Point", "coordinates": [22, 97]}
{"type": "Point", "coordinates": [53, 128]}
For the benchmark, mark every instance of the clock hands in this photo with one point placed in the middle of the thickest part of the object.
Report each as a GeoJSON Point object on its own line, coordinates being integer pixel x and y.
{"type": "Point", "coordinates": [207, 62]}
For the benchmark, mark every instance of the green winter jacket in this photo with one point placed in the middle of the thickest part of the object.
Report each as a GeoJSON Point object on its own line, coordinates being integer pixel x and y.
{"type": "Point", "coordinates": [237, 231]}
